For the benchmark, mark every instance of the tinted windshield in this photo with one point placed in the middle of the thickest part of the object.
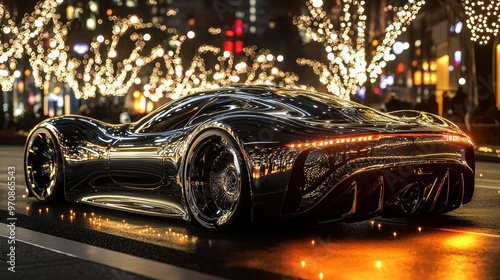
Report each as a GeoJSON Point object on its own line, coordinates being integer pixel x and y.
{"type": "Point", "coordinates": [317, 106]}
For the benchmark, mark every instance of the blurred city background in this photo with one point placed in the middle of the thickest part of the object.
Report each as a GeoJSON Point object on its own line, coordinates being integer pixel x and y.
{"type": "Point", "coordinates": [109, 57]}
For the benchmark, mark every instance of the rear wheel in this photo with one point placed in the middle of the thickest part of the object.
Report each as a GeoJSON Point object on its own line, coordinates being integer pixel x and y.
{"type": "Point", "coordinates": [216, 180]}
{"type": "Point", "coordinates": [43, 166]}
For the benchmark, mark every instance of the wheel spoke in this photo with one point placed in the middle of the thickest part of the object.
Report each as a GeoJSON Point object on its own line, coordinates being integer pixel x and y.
{"type": "Point", "coordinates": [41, 166]}
{"type": "Point", "coordinates": [215, 166]}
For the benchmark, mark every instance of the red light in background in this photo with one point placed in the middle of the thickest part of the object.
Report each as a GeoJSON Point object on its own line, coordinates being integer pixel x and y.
{"type": "Point", "coordinates": [238, 46]}
{"type": "Point", "coordinates": [238, 27]}
{"type": "Point", "coordinates": [400, 68]}
{"type": "Point", "coordinates": [228, 46]}
{"type": "Point", "coordinates": [376, 91]}
{"type": "Point", "coordinates": [233, 42]}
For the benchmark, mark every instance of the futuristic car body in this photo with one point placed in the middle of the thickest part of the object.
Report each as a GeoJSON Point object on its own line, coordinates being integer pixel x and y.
{"type": "Point", "coordinates": [258, 152]}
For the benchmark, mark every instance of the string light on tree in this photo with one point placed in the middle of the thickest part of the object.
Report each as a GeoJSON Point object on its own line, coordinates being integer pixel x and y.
{"type": "Point", "coordinates": [345, 46]}
{"type": "Point", "coordinates": [163, 71]}
{"type": "Point", "coordinates": [128, 57]}
{"type": "Point", "coordinates": [11, 49]}
{"type": "Point", "coordinates": [15, 40]}
{"type": "Point", "coordinates": [483, 19]}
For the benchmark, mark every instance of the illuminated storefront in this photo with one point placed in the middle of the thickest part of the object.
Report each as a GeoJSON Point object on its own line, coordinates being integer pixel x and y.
{"type": "Point", "coordinates": [497, 71]}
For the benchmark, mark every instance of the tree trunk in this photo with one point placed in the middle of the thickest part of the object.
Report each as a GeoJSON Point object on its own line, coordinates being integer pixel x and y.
{"type": "Point", "coordinates": [484, 75]}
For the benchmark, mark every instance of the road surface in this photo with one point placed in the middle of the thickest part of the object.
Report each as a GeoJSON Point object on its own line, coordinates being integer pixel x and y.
{"type": "Point", "coordinates": [82, 241]}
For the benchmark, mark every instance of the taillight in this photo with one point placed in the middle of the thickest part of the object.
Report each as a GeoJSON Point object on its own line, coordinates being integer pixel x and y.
{"type": "Point", "coordinates": [374, 137]}
{"type": "Point", "coordinates": [333, 141]}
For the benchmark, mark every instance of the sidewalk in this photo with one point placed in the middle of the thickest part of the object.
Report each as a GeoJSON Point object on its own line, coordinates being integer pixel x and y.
{"type": "Point", "coordinates": [487, 152]}
{"type": "Point", "coordinates": [33, 262]}
{"type": "Point", "coordinates": [36, 255]}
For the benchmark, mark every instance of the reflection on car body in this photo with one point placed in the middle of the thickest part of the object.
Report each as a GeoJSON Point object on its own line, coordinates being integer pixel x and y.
{"type": "Point", "coordinates": [260, 153]}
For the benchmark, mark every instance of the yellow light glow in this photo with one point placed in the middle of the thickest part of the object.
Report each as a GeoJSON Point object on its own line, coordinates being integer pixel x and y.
{"type": "Point", "coordinates": [425, 65]}
{"type": "Point", "coordinates": [417, 78]}
{"type": "Point", "coordinates": [433, 78]}
{"type": "Point", "coordinates": [57, 90]}
{"type": "Point", "coordinates": [443, 79]}
{"type": "Point", "coordinates": [497, 71]}
{"type": "Point", "coordinates": [427, 78]}
{"type": "Point", "coordinates": [462, 241]}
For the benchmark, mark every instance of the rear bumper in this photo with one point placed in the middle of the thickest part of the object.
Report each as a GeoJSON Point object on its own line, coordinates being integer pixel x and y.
{"type": "Point", "coordinates": [391, 175]}
{"type": "Point", "coordinates": [397, 191]}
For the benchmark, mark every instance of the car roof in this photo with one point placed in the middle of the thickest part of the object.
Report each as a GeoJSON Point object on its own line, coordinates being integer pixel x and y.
{"type": "Point", "coordinates": [273, 94]}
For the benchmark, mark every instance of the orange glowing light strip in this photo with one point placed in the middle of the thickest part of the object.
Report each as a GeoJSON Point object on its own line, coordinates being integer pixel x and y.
{"type": "Point", "coordinates": [374, 137]}
{"type": "Point", "coordinates": [329, 142]}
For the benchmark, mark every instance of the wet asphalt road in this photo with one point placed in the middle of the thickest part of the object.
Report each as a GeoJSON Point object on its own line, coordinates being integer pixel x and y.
{"type": "Point", "coordinates": [464, 244]}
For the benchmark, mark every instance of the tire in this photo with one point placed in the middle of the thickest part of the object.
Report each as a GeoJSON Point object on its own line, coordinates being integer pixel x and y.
{"type": "Point", "coordinates": [43, 166]}
{"type": "Point", "coordinates": [216, 181]}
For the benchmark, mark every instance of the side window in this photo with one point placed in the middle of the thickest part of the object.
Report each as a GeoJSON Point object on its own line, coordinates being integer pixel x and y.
{"type": "Point", "coordinates": [174, 117]}
{"type": "Point", "coordinates": [219, 106]}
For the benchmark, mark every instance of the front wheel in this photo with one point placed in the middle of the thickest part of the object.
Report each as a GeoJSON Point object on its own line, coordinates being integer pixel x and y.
{"type": "Point", "coordinates": [42, 166]}
{"type": "Point", "coordinates": [216, 180]}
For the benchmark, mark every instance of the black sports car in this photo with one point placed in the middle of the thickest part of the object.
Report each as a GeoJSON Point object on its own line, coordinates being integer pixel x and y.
{"type": "Point", "coordinates": [256, 152]}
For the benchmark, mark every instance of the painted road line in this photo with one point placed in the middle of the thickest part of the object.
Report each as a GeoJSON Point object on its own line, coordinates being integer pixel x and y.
{"type": "Point", "coordinates": [466, 232]}
{"type": "Point", "coordinates": [487, 183]}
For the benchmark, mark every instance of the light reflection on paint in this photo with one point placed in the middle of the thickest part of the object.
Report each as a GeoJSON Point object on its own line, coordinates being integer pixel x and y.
{"type": "Point", "coordinates": [173, 238]}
